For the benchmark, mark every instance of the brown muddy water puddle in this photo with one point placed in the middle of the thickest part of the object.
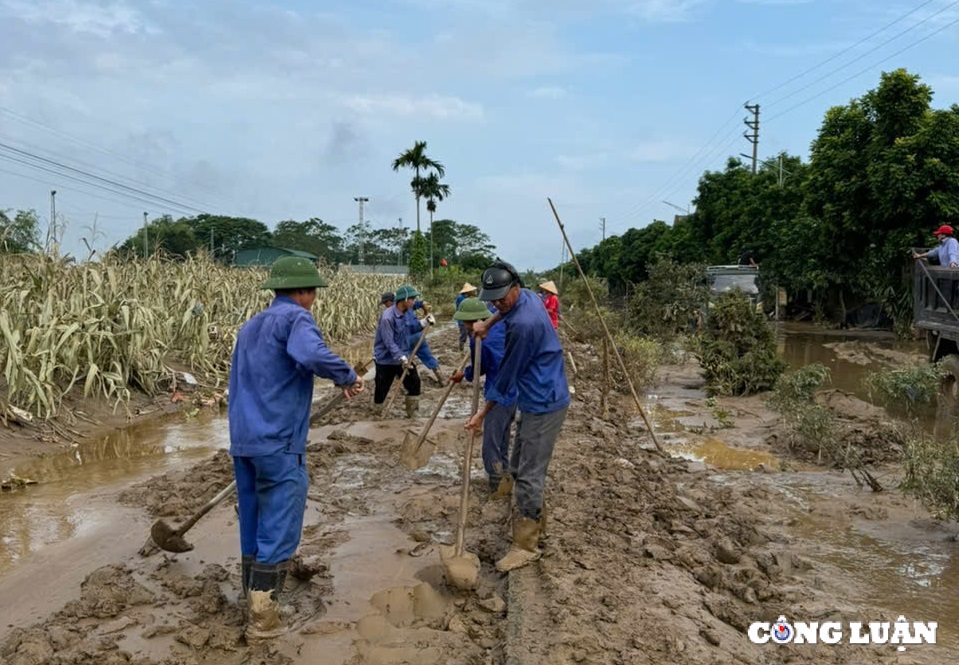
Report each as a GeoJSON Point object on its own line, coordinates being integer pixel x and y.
{"type": "Point", "coordinates": [58, 507]}
{"type": "Point", "coordinates": [905, 566]}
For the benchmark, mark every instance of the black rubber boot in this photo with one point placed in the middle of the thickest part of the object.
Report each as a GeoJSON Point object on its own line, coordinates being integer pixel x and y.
{"type": "Point", "coordinates": [246, 566]}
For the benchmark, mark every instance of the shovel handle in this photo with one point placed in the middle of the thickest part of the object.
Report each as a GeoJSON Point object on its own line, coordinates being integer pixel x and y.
{"type": "Point", "coordinates": [338, 398]}
{"type": "Point", "coordinates": [395, 391]}
{"type": "Point", "coordinates": [468, 453]}
{"type": "Point", "coordinates": [439, 405]}
{"type": "Point", "coordinates": [225, 492]}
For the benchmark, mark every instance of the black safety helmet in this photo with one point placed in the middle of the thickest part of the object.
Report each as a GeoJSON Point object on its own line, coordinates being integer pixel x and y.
{"type": "Point", "coordinates": [497, 280]}
{"type": "Point", "coordinates": [387, 297]}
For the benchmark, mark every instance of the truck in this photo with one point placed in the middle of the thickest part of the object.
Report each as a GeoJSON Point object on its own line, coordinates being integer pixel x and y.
{"type": "Point", "coordinates": [723, 278]}
{"type": "Point", "coordinates": [936, 312]}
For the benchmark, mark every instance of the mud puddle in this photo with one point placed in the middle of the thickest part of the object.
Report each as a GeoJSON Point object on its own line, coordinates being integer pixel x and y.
{"type": "Point", "coordinates": [59, 506]}
{"type": "Point", "coordinates": [906, 563]}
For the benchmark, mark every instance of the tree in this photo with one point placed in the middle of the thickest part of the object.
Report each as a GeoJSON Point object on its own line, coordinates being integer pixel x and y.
{"type": "Point", "coordinates": [314, 236]}
{"type": "Point", "coordinates": [432, 190]}
{"type": "Point", "coordinates": [415, 158]}
{"type": "Point", "coordinates": [162, 234]}
{"type": "Point", "coordinates": [20, 234]}
{"type": "Point", "coordinates": [419, 262]}
{"type": "Point", "coordinates": [228, 235]}
{"type": "Point", "coordinates": [454, 242]}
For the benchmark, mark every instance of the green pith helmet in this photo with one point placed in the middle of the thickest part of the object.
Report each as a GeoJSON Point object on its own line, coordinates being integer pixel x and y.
{"type": "Point", "coordinates": [293, 272]}
{"type": "Point", "coordinates": [472, 309]}
{"type": "Point", "coordinates": [405, 292]}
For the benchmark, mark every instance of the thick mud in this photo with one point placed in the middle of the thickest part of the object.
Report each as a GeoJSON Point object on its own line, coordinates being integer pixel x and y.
{"type": "Point", "coordinates": [649, 558]}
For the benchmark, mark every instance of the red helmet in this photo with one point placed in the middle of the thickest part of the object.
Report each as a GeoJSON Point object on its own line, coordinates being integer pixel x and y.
{"type": "Point", "coordinates": [944, 230]}
{"type": "Point", "coordinates": [443, 263]}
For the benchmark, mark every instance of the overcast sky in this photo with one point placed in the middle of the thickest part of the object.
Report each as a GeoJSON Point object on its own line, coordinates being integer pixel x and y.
{"type": "Point", "coordinates": [288, 110]}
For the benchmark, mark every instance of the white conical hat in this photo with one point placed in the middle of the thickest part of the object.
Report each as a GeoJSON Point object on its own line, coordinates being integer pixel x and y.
{"type": "Point", "coordinates": [549, 286]}
{"type": "Point", "coordinates": [468, 288]}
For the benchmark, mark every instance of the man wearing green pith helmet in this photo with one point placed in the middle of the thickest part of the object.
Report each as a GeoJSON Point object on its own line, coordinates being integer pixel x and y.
{"type": "Point", "coordinates": [499, 420]}
{"type": "Point", "coordinates": [277, 354]}
{"type": "Point", "coordinates": [391, 352]}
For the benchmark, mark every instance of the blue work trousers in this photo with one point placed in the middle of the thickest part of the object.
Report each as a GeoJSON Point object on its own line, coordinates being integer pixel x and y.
{"type": "Point", "coordinates": [271, 492]}
{"type": "Point", "coordinates": [532, 451]}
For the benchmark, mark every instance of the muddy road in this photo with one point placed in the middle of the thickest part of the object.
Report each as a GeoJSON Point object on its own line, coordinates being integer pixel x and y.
{"type": "Point", "coordinates": [649, 558]}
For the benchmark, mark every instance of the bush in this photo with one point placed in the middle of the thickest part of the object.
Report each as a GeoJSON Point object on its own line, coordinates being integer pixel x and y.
{"type": "Point", "coordinates": [669, 302]}
{"type": "Point", "coordinates": [931, 469]}
{"type": "Point", "coordinates": [641, 356]}
{"type": "Point", "coordinates": [911, 388]}
{"type": "Point", "coordinates": [737, 349]}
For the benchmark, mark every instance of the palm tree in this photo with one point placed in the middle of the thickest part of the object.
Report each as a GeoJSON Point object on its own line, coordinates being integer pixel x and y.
{"type": "Point", "coordinates": [431, 189]}
{"type": "Point", "coordinates": [415, 158]}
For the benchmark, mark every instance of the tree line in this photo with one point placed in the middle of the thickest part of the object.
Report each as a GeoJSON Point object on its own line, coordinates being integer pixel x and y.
{"type": "Point", "coordinates": [834, 231]}
{"type": "Point", "coordinates": [447, 241]}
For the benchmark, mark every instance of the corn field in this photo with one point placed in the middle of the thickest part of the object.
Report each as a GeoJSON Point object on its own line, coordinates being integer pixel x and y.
{"type": "Point", "coordinates": [104, 329]}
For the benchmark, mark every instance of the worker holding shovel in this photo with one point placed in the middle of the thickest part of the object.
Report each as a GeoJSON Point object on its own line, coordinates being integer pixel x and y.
{"type": "Point", "coordinates": [277, 354]}
{"type": "Point", "coordinates": [499, 419]}
{"type": "Point", "coordinates": [391, 349]}
{"type": "Point", "coordinates": [534, 367]}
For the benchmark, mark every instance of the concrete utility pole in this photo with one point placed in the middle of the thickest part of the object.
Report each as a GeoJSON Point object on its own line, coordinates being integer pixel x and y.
{"type": "Point", "coordinates": [146, 241]}
{"type": "Point", "coordinates": [52, 226]}
{"type": "Point", "coordinates": [602, 226]}
{"type": "Point", "coordinates": [361, 200]}
{"type": "Point", "coordinates": [754, 136]}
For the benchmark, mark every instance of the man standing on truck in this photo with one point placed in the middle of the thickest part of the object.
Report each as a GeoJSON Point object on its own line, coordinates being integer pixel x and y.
{"type": "Point", "coordinates": [947, 253]}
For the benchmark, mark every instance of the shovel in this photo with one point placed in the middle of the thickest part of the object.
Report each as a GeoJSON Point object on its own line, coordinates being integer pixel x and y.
{"type": "Point", "coordinates": [462, 567]}
{"type": "Point", "coordinates": [399, 388]}
{"type": "Point", "coordinates": [412, 446]}
{"type": "Point", "coordinates": [165, 537]}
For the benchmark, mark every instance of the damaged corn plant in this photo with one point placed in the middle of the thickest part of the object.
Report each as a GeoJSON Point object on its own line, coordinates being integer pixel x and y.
{"type": "Point", "coordinates": [103, 329]}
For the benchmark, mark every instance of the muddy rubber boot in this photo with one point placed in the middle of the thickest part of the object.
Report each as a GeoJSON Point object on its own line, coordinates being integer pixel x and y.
{"type": "Point", "coordinates": [378, 410]}
{"type": "Point", "coordinates": [412, 406]}
{"type": "Point", "coordinates": [523, 551]}
{"type": "Point", "coordinates": [543, 535]}
{"type": "Point", "coordinates": [440, 377]}
{"type": "Point", "coordinates": [263, 620]}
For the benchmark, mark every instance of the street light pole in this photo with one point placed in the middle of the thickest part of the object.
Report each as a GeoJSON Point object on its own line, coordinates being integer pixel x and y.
{"type": "Point", "coordinates": [361, 200]}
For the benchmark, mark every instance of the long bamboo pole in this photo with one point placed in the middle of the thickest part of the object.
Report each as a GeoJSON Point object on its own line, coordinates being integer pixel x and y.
{"type": "Point", "coordinates": [609, 336]}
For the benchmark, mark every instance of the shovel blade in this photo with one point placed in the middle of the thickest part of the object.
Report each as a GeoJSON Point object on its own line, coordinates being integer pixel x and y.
{"type": "Point", "coordinates": [168, 539]}
{"type": "Point", "coordinates": [416, 451]}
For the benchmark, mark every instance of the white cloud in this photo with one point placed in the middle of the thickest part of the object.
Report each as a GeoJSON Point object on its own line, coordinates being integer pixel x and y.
{"type": "Point", "coordinates": [97, 18]}
{"type": "Point", "coordinates": [664, 11]}
{"type": "Point", "coordinates": [433, 106]}
{"type": "Point", "coordinates": [548, 92]}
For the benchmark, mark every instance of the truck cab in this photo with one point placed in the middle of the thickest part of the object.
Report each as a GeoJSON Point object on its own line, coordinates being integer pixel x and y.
{"type": "Point", "coordinates": [724, 278]}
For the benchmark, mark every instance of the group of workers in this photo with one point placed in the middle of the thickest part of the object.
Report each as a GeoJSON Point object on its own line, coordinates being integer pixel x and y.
{"type": "Point", "coordinates": [280, 350]}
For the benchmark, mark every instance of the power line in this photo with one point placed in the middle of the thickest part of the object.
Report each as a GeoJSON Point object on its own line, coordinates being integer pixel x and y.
{"type": "Point", "coordinates": [865, 70]}
{"type": "Point", "coordinates": [842, 52]}
{"type": "Point", "coordinates": [80, 141]}
{"type": "Point", "coordinates": [92, 176]}
{"type": "Point", "coordinates": [872, 50]}
{"type": "Point", "coordinates": [51, 154]}
{"type": "Point", "coordinates": [60, 174]}
{"type": "Point", "coordinates": [694, 161]}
